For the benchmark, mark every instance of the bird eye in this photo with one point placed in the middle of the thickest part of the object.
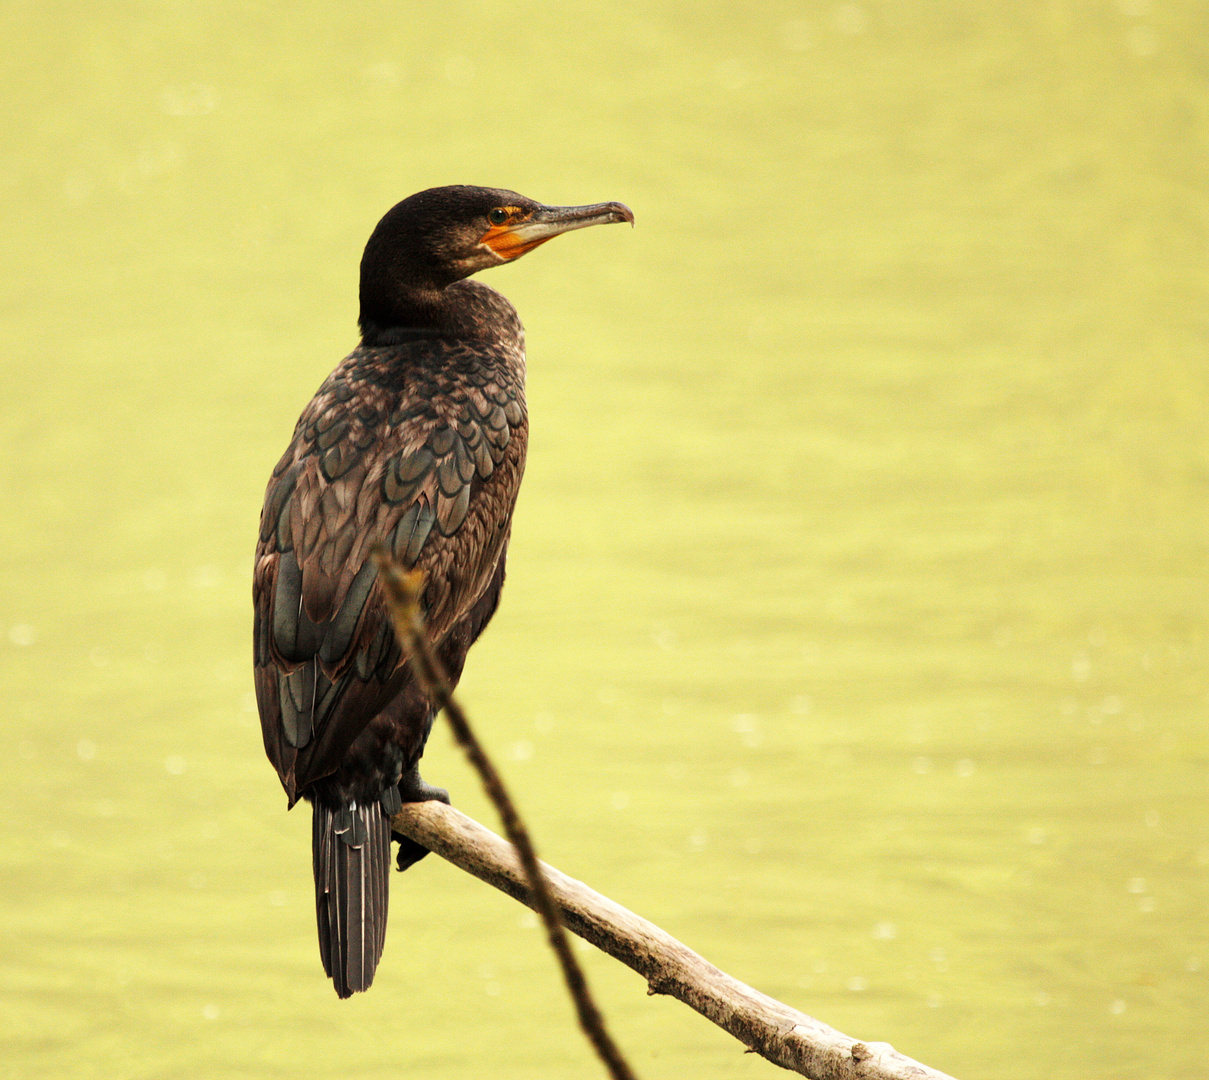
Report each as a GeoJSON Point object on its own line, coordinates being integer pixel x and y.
{"type": "Point", "coordinates": [497, 216]}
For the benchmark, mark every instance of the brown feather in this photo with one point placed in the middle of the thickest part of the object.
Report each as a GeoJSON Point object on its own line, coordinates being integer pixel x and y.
{"type": "Point", "coordinates": [375, 459]}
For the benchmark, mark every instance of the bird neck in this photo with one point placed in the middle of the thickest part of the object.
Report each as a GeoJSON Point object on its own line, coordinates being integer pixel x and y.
{"type": "Point", "coordinates": [467, 310]}
{"type": "Point", "coordinates": [410, 312]}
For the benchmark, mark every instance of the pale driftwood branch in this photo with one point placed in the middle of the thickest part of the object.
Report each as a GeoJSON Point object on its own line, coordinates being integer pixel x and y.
{"type": "Point", "coordinates": [783, 1035]}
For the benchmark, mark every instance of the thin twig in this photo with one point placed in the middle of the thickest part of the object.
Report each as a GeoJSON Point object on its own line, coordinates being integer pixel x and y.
{"type": "Point", "coordinates": [403, 589]}
{"type": "Point", "coordinates": [762, 1024]}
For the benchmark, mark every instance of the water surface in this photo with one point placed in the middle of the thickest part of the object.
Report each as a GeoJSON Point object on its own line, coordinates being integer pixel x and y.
{"type": "Point", "coordinates": [855, 630]}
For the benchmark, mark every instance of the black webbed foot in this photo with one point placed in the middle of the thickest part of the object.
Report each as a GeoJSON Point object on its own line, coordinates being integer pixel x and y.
{"type": "Point", "coordinates": [411, 788]}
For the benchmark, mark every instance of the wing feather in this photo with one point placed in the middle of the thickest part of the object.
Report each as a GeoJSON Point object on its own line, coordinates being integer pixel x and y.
{"type": "Point", "coordinates": [431, 469]}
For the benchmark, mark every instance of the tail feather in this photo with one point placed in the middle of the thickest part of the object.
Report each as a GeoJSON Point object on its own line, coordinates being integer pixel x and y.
{"type": "Point", "coordinates": [351, 856]}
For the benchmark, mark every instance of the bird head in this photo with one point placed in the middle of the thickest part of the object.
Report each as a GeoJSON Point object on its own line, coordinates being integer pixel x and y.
{"type": "Point", "coordinates": [442, 235]}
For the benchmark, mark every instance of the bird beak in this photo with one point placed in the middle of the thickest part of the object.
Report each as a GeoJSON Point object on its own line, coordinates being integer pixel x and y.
{"type": "Point", "coordinates": [514, 238]}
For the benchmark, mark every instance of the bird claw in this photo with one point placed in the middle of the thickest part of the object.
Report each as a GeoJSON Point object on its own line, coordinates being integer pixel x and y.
{"type": "Point", "coordinates": [412, 788]}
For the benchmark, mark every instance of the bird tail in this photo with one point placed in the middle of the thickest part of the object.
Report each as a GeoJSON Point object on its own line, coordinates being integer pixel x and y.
{"type": "Point", "coordinates": [351, 852]}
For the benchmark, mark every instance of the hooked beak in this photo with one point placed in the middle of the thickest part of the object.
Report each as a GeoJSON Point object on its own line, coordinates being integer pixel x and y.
{"type": "Point", "coordinates": [514, 238]}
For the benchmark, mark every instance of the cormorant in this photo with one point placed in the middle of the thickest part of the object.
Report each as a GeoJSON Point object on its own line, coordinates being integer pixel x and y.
{"type": "Point", "coordinates": [416, 440]}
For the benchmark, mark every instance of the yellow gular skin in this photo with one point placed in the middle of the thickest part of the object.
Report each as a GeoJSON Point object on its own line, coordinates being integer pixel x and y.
{"type": "Point", "coordinates": [504, 241]}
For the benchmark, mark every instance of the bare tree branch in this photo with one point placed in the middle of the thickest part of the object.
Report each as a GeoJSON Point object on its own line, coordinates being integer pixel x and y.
{"type": "Point", "coordinates": [783, 1035]}
{"type": "Point", "coordinates": [767, 1027]}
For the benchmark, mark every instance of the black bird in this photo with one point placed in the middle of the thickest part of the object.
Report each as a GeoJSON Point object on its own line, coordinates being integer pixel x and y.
{"type": "Point", "coordinates": [417, 440]}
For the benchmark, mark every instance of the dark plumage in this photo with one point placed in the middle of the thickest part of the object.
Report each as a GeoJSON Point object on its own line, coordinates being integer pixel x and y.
{"type": "Point", "coordinates": [417, 440]}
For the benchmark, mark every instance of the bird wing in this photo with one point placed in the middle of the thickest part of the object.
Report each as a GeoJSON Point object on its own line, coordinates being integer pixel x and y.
{"type": "Point", "coordinates": [431, 471]}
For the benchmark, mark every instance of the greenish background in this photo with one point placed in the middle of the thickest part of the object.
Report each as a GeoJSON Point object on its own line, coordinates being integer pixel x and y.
{"type": "Point", "coordinates": [856, 624]}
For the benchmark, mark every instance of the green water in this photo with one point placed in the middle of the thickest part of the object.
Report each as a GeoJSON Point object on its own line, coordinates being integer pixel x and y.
{"type": "Point", "coordinates": [855, 630]}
